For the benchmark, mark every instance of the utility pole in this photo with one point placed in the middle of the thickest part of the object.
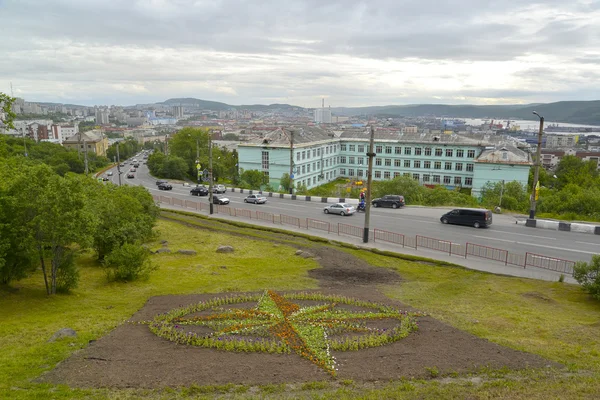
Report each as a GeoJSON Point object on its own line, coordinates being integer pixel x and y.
{"type": "Point", "coordinates": [86, 156]}
{"type": "Point", "coordinates": [118, 164]}
{"type": "Point", "coordinates": [371, 155]}
{"type": "Point", "coordinates": [166, 145]}
{"type": "Point", "coordinates": [536, 174]}
{"type": "Point", "coordinates": [210, 173]}
{"type": "Point", "coordinates": [198, 160]}
{"type": "Point", "coordinates": [291, 162]}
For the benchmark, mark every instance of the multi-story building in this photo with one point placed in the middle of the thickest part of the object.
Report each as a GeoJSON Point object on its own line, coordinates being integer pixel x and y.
{"type": "Point", "coordinates": [102, 117]}
{"type": "Point", "coordinates": [94, 140]}
{"type": "Point", "coordinates": [177, 112]}
{"type": "Point", "coordinates": [561, 141]}
{"type": "Point", "coordinates": [323, 115]}
{"type": "Point", "coordinates": [448, 160]}
{"type": "Point", "coordinates": [61, 132]}
{"type": "Point", "coordinates": [551, 158]}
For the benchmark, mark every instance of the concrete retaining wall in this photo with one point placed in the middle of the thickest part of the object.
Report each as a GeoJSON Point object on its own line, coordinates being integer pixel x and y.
{"type": "Point", "coordinates": [561, 226]}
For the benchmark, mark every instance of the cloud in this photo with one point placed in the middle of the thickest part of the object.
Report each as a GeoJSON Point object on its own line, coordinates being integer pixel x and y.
{"type": "Point", "coordinates": [354, 52]}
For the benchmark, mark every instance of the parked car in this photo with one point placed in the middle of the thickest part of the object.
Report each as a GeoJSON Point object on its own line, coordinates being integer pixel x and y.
{"type": "Point", "coordinates": [105, 178]}
{"type": "Point", "coordinates": [219, 189]}
{"type": "Point", "coordinates": [109, 173]}
{"type": "Point", "coordinates": [340, 208]}
{"type": "Point", "coordinates": [130, 175]}
{"type": "Point", "coordinates": [165, 186]}
{"type": "Point", "coordinates": [256, 199]}
{"type": "Point", "coordinates": [476, 217]}
{"type": "Point", "coordinates": [220, 200]}
{"type": "Point", "coordinates": [199, 191]}
{"type": "Point", "coordinates": [158, 182]}
{"type": "Point", "coordinates": [389, 200]}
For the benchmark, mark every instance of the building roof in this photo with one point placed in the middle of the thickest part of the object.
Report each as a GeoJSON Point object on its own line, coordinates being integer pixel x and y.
{"type": "Point", "coordinates": [504, 155]}
{"type": "Point", "coordinates": [89, 136]}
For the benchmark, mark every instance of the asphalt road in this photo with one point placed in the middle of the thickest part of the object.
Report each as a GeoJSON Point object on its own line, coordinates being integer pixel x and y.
{"type": "Point", "coordinates": [410, 221]}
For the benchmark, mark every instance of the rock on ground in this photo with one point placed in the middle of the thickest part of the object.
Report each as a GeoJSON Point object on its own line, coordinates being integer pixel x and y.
{"type": "Point", "coordinates": [63, 333]}
{"type": "Point", "coordinates": [225, 249]}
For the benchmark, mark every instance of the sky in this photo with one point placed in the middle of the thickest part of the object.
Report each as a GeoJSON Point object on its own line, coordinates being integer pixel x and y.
{"type": "Point", "coordinates": [351, 53]}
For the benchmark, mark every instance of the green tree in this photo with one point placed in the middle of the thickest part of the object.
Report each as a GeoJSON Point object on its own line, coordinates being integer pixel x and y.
{"type": "Point", "coordinates": [573, 170]}
{"type": "Point", "coordinates": [588, 275]}
{"type": "Point", "coordinates": [412, 191]}
{"type": "Point", "coordinates": [174, 168]}
{"type": "Point", "coordinates": [155, 163]}
{"type": "Point", "coordinates": [252, 179]}
{"type": "Point", "coordinates": [285, 182]}
{"type": "Point", "coordinates": [6, 103]}
{"type": "Point", "coordinates": [128, 262]}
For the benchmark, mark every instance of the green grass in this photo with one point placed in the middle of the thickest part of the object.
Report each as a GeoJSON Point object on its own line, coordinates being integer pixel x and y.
{"type": "Point", "coordinates": [555, 320]}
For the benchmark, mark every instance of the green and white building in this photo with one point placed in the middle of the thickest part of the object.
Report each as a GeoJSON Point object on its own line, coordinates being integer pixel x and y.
{"type": "Point", "coordinates": [321, 156]}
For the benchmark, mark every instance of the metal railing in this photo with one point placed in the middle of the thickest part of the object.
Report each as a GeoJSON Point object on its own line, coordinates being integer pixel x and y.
{"type": "Point", "coordinates": [350, 230]}
{"type": "Point", "coordinates": [551, 263]}
{"type": "Point", "coordinates": [390, 237]}
{"type": "Point", "coordinates": [490, 253]}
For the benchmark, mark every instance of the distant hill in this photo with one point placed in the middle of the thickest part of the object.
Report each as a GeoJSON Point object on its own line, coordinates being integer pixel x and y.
{"type": "Point", "coordinates": [217, 106]}
{"type": "Point", "coordinates": [575, 112]}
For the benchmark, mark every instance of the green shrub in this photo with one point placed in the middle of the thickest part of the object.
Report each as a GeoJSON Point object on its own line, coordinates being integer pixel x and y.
{"type": "Point", "coordinates": [67, 273]}
{"type": "Point", "coordinates": [128, 263]}
{"type": "Point", "coordinates": [588, 275]}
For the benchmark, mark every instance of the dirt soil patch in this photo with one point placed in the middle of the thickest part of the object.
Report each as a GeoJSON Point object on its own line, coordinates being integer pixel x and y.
{"type": "Point", "coordinates": [132, 356]}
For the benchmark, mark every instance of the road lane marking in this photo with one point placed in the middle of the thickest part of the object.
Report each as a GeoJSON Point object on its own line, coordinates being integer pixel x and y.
{"type": "Point", "coordinates": [594, 244]}
{"type": "Point", "coordinates": [538, 245]}
{"type": "Point", "coordinates": [523, 234]}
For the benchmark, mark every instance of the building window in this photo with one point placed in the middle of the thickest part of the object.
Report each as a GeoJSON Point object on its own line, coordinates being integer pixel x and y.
{"type": "Point", "coordinates": [378, 149]}
{"type": "Point", "coordinates": [308, 168]}
{"type": "Point", "coordinates": [308, 155]}
{"type": "Point", "coordinates": [265, 160]}
{"type": "Point", "coordinates": [438, 152]}
{"type": "Point", "coordinates": [314, 180]}
{"type": "Point", "coordinates": [326, 150]}
{"type": "Point", "coordinates": [303, 169]}
{"type": "Point", "coordinates": [436, 179]}
{"type": "Point", "coordinates": [407, 151]}
{"type": "Point", "coordinates": [469, 167]}
{"type": "Point", "coordinates": [406, 163]}
{"type": "Point", "coordinates": [468, 181]}
{"type": "Point", "coordinates": [388, 149]}
{"type": "Point", "coordinates": [437, 165]}
{"type": "Point", "coordinates": [416, 177]}
{"type": "Point", "coordinates": [359, 172]}
{"type": "Point", "coordinates": [342, 171]}
{"type": "Point", "coordinates": [298, 156]}
{"type": "Point", "coordinates": [448, 166]}
{"type": "Point", "coordinates": [505, 155]}
{"type": "Point", "coordinates": [388, 162]}
{"type": "Point", "coordinates": [449, 152]}
{"type": "Point", "coordinates": [458, 166]}
{"type": "Point", "coordinates": [319, 152]}
{"type": "Point", "coordinates": [343, 160]}
{"type": "Point", "coordinates": [350, 160]}
{"type": "Point", "coordinates": [386, 175]}
{"type": "Point", "coordinates": [378, 161]}
{"type": "Point", "coordinates": [427, 164]}
{"type": "Point", "coordinates": [397, 163]}
{"type": "Point", "coordinates": [352, 147]}
{"type": "Point", "coordinates": [427, 151]}
{"type": "Point", "coordinates": [397, 150]}
{"type": "Point", "coordinates": [378, 174]}
{"type": "Point", "coordinates": [460, 153]}
{"type": "Point", "coordinates": [361, 148]}
{"type": "Point", "coordinates": [351, 172]}
{"type": "Point", "coordinates": [425, 177]}
{"type": "Point", "coordinates": [396, 174]}
{"type": "Point", "coordinates": [359, 160]}
{"type": "Point", "coordinates": [446, 180]}
{"type": "Point", "coordinates": [314, 153]}
{"type": "Point", "coordinates": [417, 164]}
{"type": "Point", "coordinates": [266, 177]}
{"type": "Point", "coordinates": [418, 151]}
{"type": "Point", "coordinates": [304, 155]}
{"type": "Point", "coordinates": [471, 154]}
{"type": "Point", "coordinates": [407, 174]}
{"type": "Point", "coordinates": [457, 180]}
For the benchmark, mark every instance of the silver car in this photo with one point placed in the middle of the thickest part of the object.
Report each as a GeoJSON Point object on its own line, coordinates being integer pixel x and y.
{"type": "Point", "coordinates": [256, 199]}
{"type": "Point", "coordinates": [219, 189]}
{"type": "Point", "coordinates": [340, 208]}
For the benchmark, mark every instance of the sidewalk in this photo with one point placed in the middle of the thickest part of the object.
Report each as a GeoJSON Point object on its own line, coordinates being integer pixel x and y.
{"type": "Point", "coordinates": [477, 264]}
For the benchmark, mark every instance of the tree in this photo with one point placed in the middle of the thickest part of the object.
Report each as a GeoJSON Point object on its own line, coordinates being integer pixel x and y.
{"type": "Point", "coordinates": [174, 168]}
{"type": "Point", "coordinates": [573, 170]}
{"type": "Point", "coordinates": [252, 179]}
{"type": "Point", "coordinates": [412, 191]}
{"type": "Point", "coordinates": [7, 115]}
{"type": "Point", "coordinates": [128, 263]}
{"type": "Point", "coordinates": [285, 182]}
{"type": "Point", "coordinates": [588, 275]}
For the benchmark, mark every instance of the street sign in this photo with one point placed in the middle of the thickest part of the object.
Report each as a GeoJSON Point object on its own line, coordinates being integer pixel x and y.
{"type": "Point", "coordinates": [292, 176]}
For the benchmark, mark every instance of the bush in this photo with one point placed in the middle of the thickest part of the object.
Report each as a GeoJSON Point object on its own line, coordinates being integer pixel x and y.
{"type": "Point", "coordinates": [128, 263]}
{"type": "Point", "coordinates": [588, 275]}
{"type": "Point", "coordinates": [67, 273]}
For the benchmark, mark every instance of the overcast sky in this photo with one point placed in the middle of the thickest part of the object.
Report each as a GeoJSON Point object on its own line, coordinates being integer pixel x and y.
{"type": "Point", "coordinates": [352, 53]}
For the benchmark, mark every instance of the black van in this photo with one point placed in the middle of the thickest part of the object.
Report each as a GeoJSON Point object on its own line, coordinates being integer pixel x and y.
{"type": "Point", "coordinates": [476, 217]}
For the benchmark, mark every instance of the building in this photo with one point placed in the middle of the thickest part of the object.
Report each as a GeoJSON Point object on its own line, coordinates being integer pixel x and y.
{"type": "Point", "coordinates": [561, 141]}
{"type": "Point", "coordinates": [323, 115]}
{"type": "Point", "coordinates": [93, 140]}
{"type": "Point", "coordinates": [321, 156]}
{"type": "Point", "coordinates": [551, 158]}
{"type": "Point", "coordinates": [102, 117]}
{"type": "Point", "coordinates": [37, 131]}
{"type": "Point", "coordinates": [177, 112]}
{"type": "Point", "coordinates": [61, 132]}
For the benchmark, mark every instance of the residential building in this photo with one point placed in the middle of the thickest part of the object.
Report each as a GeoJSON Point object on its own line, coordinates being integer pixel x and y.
{"type": "Point", "coordinates": [102, 117]}
{"type": "Point", "coordinates": [177, 112]}
{"type": "Point", "coordinates": [321, 156]}
{"type": "Point", "coordinates": [551, 158]}
{"type": "Point", "coordinates": [323, 115]}
{"type": "Point", "coordinates": [561, 141]}
{"type": "Point", "coordinates": [61, 132]}
{"type": "Point", "coordinates": [93, 140]}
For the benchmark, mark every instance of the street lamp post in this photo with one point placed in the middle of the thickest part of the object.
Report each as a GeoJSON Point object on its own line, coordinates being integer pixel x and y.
{"type": "Point", "coordinates": [536, 174]}
{"type": "Point", "coordinates": [371, 155]}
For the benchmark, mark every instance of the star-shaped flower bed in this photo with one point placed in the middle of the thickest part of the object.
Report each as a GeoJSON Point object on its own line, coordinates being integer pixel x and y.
{"type": "Point", "coordinates": [277, 324]}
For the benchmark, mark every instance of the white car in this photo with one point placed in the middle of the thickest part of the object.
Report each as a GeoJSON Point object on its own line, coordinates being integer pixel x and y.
{"type": "Point", "coordinates": [109, 173]}
{"type": "Point", "coordinates": [340, 208]}
{"type": "Point", "coordinates": [219, 189]}
{"type": "Point", "coordinates": [256, 199]}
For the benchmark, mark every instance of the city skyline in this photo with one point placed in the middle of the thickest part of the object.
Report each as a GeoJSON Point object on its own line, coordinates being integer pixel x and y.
{"type": "Point", "coordinates": [350, 53]}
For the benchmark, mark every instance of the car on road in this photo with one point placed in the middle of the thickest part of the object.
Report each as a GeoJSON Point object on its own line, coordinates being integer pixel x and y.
{"type": "Point", "coordinates": [199, 191]}
{"type": "Point", "coordinates": [165, 186]}
{"type": "Point", "coordinates": [220, 200]}
{"type": "Point", "coordinates": [256, 199]}
{"type": "Point", "coordinates": [158, 182]}
{"type": "Point", "coordinates": [136, 165]}
{"type": "Point", "coordinates": [109, 173]}
{"type": "Point", "coordinates": [105, 178]}
{"type": "Point", "coordinates": [130, 175]}
{"type": "Point", "coordinates": [132, 169]}
{"type": "Point", "coordinates": [340, 208]}
{"type": "Point", "coordinates": [219, 189]}
{"type": "Point", "coordinates": [122, 165]}
{"type": "Point", "coordinates": [476, 217]}
{"type": "Point", "coordinates": [389, 200]}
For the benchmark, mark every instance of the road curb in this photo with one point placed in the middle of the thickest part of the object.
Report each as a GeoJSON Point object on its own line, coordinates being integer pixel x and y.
{"type": "Point", "coordinates": [560, 226]}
